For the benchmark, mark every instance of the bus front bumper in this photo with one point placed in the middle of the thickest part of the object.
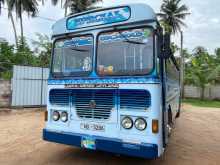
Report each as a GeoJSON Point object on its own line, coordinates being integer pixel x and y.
{"type": "Point", "coordinates": [149, 151]}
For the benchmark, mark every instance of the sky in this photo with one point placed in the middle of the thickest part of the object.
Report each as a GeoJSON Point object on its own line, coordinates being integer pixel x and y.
{"type": "Point", "coordinates": [203, 25]}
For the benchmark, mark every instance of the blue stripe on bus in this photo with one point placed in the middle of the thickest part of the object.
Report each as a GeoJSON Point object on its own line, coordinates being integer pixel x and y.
{"type": "Point", "coordinates": [149, 151]}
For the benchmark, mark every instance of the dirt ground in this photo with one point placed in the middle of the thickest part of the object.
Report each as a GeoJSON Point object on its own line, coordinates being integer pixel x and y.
{"type": "Point", "coordinates": [195, 140]}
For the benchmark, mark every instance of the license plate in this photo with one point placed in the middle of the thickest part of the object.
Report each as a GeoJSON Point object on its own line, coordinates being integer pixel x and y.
{"type": "Point", "coordinates": [92, 127]}
{"type": "Point", "coordinates": [88, 143]}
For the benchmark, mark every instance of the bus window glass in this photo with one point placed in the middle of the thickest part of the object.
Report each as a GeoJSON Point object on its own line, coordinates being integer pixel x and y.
{"type": "Point", "coordinates": [172, 72]}
{"type": "Point", "coordinates": [127, 52]}
{"type": "Point", "coordinates": [73, 56]}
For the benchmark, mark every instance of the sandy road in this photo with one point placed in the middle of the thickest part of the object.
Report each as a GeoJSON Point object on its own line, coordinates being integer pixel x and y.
{"type": "Point", "coordinates": [196, 140]}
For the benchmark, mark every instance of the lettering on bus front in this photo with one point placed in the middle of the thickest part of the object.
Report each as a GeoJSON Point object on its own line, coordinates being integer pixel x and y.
{"type": "Point", "coordinates": [92, 86]}
{"type": "Point", "coordinates": [99, 18]}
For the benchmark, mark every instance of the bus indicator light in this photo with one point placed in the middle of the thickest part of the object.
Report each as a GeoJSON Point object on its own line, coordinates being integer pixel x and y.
{"type": "Point", "coordinates": [45, 116]}
{"type": "Point", "coordinates": [155, 126]}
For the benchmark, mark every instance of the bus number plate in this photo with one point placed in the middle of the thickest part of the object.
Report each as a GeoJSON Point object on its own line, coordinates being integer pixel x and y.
{"type": "Point", "coordinates": [92, 127]}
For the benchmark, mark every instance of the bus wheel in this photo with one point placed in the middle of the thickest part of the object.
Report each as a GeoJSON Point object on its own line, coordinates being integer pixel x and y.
{"type": "Point", "coordinates": [170, 117]}
{"type": "Point", "coordinates": [178, 114]}
{"type": "Point", "coordinates": [179, 109]}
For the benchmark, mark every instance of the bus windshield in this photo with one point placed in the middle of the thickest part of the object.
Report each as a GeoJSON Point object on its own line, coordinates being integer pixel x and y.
{"type": "Point", "coordinates": [125, 52]}
{"type": "Point", "coordinates": [73, 57]}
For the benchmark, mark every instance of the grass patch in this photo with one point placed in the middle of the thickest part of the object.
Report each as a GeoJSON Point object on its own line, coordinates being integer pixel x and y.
{"type": "Point", "coordinates": [202, 103]}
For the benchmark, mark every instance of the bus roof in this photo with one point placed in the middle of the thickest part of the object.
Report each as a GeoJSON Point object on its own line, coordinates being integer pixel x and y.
{"type": "Point", "coordinates": [104, 17]}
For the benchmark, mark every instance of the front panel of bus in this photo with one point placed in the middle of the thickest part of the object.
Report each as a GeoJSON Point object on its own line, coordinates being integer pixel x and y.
{"type": "Point", "coordinates": [104, 91]}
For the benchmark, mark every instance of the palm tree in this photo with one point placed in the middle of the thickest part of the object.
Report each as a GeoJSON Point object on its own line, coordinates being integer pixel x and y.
{"type": "Point", "coordinates": [172, 15]}
{"type": "Point", "coordinates": [20, 6]}
{"type": "Point", "coordinates": [10, 16]}
{"type": "Point", "coordinates": [172, 18]}
{"type": "Point", "coordinates": [1, 3]}
{"type": "Point", "coordinates": [76, 6]}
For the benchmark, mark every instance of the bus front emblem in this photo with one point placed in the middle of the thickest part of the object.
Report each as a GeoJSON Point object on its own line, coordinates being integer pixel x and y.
{"type": "Point", "coordinates": [92, 104]}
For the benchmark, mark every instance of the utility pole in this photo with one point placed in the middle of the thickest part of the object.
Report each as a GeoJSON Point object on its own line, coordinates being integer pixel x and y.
{"type": "Point", "coordinates": [182, 66]}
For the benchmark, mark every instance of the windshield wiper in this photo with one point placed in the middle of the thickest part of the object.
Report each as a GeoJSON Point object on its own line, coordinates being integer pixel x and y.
{"type": "Point", "coordinates": [79, 50]}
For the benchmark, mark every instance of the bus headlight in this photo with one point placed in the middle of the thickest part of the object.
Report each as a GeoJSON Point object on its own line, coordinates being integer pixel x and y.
{"type": "Point", "coordinates": [56, 115]}
{"type": "Point", "coordinates": [64, 116]}
{"type": "Point", "coordinates": [140, 124]}
{"type": "Point", "coordinates": [127, 123]}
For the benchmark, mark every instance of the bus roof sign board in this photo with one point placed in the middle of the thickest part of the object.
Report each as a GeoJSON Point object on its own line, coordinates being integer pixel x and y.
{"type": "Point", "coordinates": [99, 18]}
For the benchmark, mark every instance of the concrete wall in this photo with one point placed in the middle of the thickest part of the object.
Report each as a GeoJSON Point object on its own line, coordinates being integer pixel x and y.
{"type": "Point", "coordinates": [211, 92]}
{"type": "Point", "coordinates": [5, 93]}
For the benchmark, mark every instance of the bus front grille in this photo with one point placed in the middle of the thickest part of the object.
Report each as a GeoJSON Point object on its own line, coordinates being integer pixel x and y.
{"type": "Point", "coordinates": [94, 104]}
{"type": "Point", "coordinates": [59, 97]}
{"type": "Point", "coordinates": [134, 99]}
{"type": "Point", "coordinates": [99, 103]}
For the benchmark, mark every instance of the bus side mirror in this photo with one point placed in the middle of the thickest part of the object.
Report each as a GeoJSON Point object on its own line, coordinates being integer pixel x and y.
{"type": "Point", "coordinates": [166, 49]}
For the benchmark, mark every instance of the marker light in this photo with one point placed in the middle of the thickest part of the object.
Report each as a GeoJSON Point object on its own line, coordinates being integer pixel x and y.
{"type": "Point", "coordinates": [127, 123]}
{"type": "Point", "coordinates": [45, 116]}
{"type": "Point", "coordinates": [56, 115]}
{"type": "Point", "coordinates": [140, 124]}
{"type": "Point", "coordinates": [155, 126]}
{"type": "Point", "coordinates": [64, 117]}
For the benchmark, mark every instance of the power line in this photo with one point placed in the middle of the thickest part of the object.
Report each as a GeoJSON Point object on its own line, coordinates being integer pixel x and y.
{"type": "Point", "coordinates": [41, 17]}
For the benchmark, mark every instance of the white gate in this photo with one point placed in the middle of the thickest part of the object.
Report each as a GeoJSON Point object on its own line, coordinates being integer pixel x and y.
{"type": "Point", "coordinates": [29, 86]}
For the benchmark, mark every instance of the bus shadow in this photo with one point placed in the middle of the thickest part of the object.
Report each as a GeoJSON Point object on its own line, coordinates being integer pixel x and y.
{"type": "Point", "coordinates": [81, 156]}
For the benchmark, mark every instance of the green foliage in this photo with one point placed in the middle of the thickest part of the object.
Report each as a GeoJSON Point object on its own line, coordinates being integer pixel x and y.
{"type": "Point", "coordinates": [6, 59]}
{"type": "Point", "coordinates": [203, 103]}
{"type": "Point", "coordinates": [28, 6]}
{"type": "Point", "coordinates": [77, 6]}
{"type": "Point", "coordinates": [23, 55]}
{"type": "Point", "coordinates": [43, 47]}
{"type": "Point", "coordinates": [202, 69]}
{"type": "Point", "coordinates": [172, 15]}
{"type": "Point", "coordinates": [20, 6]}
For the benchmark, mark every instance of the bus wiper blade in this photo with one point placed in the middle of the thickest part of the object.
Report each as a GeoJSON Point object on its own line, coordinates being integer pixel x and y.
{"type": "Point", "coordinates": [79, 50]}
{"type": "Point", "coordinates": [130, 41]}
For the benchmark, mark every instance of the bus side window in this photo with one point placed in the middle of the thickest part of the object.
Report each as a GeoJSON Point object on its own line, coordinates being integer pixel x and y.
{"type": "Point", "coordinates": [171, 70]}
{"type": "Point", "coordinates": [158, 41]}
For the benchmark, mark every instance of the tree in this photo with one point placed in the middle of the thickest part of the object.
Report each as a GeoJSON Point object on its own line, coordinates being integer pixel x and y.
{"type": "Point", "coordinates": [24, 55]}
{"type": "Point", "coordinates": [20, 6]}
{"type": "Point", "coordinates": [172, 18]}
{"type": "Point", "coordinates": [43, 47]}
{"type": "Point", "coordinates": [2, 2]}
{"type": "Point", "coordinates": [201, 70]}
{"type": "Point", "coordinates": [172, 15]}
{"type": "Point", "coordinates": [10, 16]}
{"type": "Point", "coordinates": [76, 6]}
{"type": "Point", "coordinates": [6, 60]}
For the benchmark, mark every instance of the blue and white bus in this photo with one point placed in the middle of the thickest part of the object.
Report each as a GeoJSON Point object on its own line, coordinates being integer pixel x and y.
{"type": "Point", "coordinates": [114, 83]}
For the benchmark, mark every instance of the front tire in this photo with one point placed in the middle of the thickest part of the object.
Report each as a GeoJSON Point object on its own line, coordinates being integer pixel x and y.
{"type": "Point", "coordinates": [179, 109]}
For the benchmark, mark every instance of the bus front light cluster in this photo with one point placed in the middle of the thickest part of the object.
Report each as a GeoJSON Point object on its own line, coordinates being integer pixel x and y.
{"type": "Point", "coordinates": [63, 116]}
{"type": "Point", "coordinates": [56, 115]}
{"type": "Point", "coordinates": [140, 123]}
{"type": "Point", "coordinates": [127, 123]}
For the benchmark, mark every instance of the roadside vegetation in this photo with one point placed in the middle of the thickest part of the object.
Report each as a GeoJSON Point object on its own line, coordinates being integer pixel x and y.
{"type": "Point", "coordinates": [201, 68]}
{"type": "Point", "coordinates": [203, 103]}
